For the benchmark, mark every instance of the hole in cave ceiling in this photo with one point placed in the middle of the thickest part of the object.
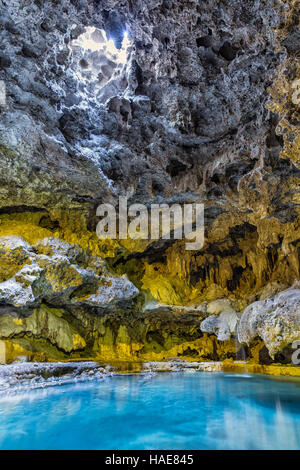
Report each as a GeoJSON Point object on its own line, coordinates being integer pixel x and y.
{"type": "Point", "coordinates": [94, 82]}
{"type": "Point", "coordinates": [100, 59]}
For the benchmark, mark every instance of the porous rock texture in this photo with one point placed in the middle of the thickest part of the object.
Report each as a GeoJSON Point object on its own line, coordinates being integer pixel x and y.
{"type": "Point", "coordinates": [276, 320]}
{"type": "Point", "coordinates": [203, 110]}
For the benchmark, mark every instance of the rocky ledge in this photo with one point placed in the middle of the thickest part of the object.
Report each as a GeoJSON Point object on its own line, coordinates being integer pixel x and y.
{"type": "Point", "coordinates": [60, 303]}
{"type": "Point", "coordinates": [21, 376]}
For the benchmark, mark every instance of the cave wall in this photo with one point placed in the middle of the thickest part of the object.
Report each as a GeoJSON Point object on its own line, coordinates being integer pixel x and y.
{"type": "Point", "coordinates": [203, 111]}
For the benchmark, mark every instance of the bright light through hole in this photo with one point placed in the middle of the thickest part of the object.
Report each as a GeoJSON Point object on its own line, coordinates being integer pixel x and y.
{"type": "Point", "coordinates": [96, 40]}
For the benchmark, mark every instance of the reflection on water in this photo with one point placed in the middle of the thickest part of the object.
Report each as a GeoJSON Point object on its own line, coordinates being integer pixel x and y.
{"type": "Point", "coordinates": [163, 411]}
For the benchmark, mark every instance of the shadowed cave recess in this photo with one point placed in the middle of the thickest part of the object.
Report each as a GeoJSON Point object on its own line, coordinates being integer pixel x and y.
{"type": "Point", "coordinates": [162, 102]}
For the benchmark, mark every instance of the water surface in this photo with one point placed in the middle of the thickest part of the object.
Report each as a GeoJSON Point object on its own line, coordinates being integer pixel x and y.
{"type": "Point", "coordinates": [186, 411]}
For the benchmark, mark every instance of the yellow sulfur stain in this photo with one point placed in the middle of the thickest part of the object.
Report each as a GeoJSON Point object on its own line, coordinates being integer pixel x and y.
{"type": "Point", "coordinates": [252, 368]}
{"type": "Point", "coordinates": [78, 342]}
{"type": "Point", "coordinates": [13, 351]}
{"type": "Point", "coordinates": [166, 281]}
{"type": "Point", "coordinates": [30, 232]}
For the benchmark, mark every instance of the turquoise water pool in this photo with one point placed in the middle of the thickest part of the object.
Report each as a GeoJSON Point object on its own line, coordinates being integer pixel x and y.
{"type": "Point", "coordinates": [186, 411]}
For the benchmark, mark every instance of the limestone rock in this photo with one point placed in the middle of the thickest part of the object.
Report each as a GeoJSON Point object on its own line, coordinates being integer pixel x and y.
{"type": "Point", "coordinates": [52, 274]}
{"type": "Point", "coordinates": [220, 306]}
{"type": "Point", "coordinates": [276, 320]}
{"type": "Point", "coordinates": [44, 323]}
{"type": "Point", "coordinates": [202, 109]}
{"type": "Point", "coordinates": [112, 289]}
{"type": "Point", "coordinates": [39, 375]}
{"type": "Point", "coordinates": [192, 90]}
{"type": "Point", "coordinates": [223, 319]}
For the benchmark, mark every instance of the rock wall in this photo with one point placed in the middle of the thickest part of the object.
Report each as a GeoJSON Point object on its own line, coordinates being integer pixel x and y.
{"type": "Point", "coordinates": [204, 109]}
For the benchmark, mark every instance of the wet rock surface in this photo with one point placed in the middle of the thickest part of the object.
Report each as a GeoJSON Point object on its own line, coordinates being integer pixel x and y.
{"type": "Point", "coordinates": [16, 377]}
